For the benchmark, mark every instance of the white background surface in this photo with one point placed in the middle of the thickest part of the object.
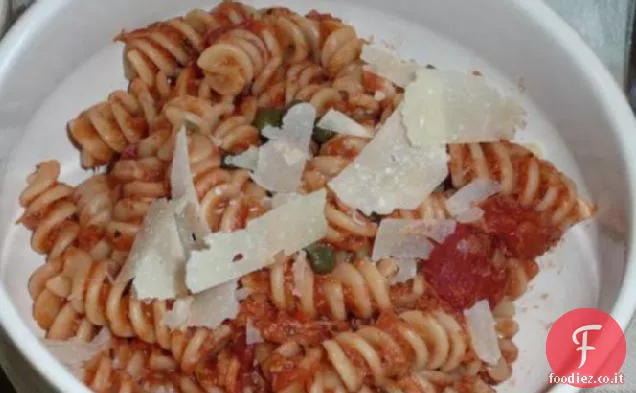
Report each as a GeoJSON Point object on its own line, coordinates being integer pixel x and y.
{"type": "Point", "coordinates": [602, 24]}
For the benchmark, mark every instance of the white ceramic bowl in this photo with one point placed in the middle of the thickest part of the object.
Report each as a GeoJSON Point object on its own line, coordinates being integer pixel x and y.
{"type": "Point", "coordinates": [59, 59]}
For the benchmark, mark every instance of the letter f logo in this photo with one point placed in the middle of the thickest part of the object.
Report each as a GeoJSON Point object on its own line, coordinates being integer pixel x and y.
{"type": "Point", "coordinates": [584, 347]}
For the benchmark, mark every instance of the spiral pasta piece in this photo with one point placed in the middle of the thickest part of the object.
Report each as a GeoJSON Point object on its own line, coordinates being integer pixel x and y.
{"type": "Point", "coordinates": [228, 199]}
{"type": "Point", "coordinates": [340, 44]}
{"type": "Point", "coordinates": [142, 181]}
{"type": "Point", "coordinates": [101, 302]}
{"type": "Point", "coordinates": [433, 382]}
{"type": "Point", "coordinates": [304, 370]}
{"type": "Point", "coordinates": [432, 208]}
{"type": "Point", "coordinates": [356, 288]}
{"type": "Point", "coordinates": [242, 56]}
{"type": "Point", "coordinates": [366, 100]}
{"type": "Point", "coordinates": [236, 133]}
{"type": "Point", "coordinates": [49, 210]}
{"type": "Point", "coordinates": [299, 76]}
{"type": "Point", "coordinates": [533, 182]}
{"type": "Point", "coordinates": [95, 199]}
{"type": "Point", "coordinates": [229, 125]}
{"type": "Point", "coordinates": [134, 366]}
{"type": "Point", "coordinates": [201, 114]}
{"type": "Point", "coordinates": [520, 273]}
{"type": "Point", "coordinates": [169, 45]}
{"type": "Point", "coordinates": [252, 54]}
{"type": "Point", "coordinates": [49, 287]}
{"type": "Point", "coordinates": [349, 229]}
{"type": "Point", "coordinates": [109, 127]}
{"type": "Point", "coordinates": [415, 340]}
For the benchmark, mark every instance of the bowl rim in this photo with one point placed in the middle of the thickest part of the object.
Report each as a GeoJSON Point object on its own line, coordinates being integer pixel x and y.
{"type": "Point", "coordinates": [605, 88]}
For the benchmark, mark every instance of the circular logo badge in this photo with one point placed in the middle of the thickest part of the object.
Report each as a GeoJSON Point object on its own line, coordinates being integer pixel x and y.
{"type": "Point", "coordinates": [585, 348]}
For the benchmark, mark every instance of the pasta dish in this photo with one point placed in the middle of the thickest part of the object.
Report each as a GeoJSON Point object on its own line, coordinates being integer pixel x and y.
{"type": "Point", "coordinates": [279, 205]}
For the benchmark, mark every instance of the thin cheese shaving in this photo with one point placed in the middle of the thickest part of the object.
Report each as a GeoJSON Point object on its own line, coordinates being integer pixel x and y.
{"type": "Point", "coordinates": [208, 308]}
{"type": "Point", "coordinates": [407, 269]}
{"type": "Point", "coordinates": [463, 204]}
{"type": "Point", "coordinates": [156, 262]}
{"type": "Point", "coordinates": [179, 315]}
{"type": "Point", "coordinates": [74, 353]}
{"type": "Point", "coordinates": [246, 160]}
{"type": "Point", "coordinates": [389, 174]}
{"type": "Point", "coordinates": [437, 230]}
{"type": "Point", "coordinates": [388, 64]}
{"type": "Point", "coordinates": [287, 229]}
{"type": "Point", "coordinates": [281, 198]}
{"type": "Point", "coordinates": [342, 124]}
{"type": "Point", "coordinates": [454, 107]}
{"type": "Point", "coordinates": [395, 239]}
{"type": "Point", "coordinates": [282, 159]}
{"type": "Point", "coordinates": [481, 329]}
{"type": "Point", "coordinates": [190, 220]}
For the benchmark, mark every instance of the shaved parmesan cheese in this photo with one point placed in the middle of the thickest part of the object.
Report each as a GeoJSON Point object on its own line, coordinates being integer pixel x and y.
{"type": "Point", "coordinates": [181, 174]}
{"type": "Point", "coordinates": [297, 128]}
{"type": "Point", "coordinates": [454, 107]}
{"type": "Point", "coordinates": [287, 229]}
{"type": "Point", "coordinates": [388, 64]}
{"type": "Point", "coordinates": [389, 174]}
{"type": "Point", "coordinates": [339, 122]}
{"type": "Point", "coordinates": [246, 160]}
{"type": "Point", "coordinates": [394, 239]}
{"type": "Point", "coordinates": [156, 262]}
{"type": "Point", "coordinates": [437, 230]}
{"type": "Point", "coordinates": [252, 334]}
{"type": "Point", "coordinates": [481, 329]}
{"type": "Point", "coordinates": [189, 218]}
{"type": "Point", "coordinates": [462, 204]}
{"type": "Point", "coordinates": [215, 265]}
{"type": "Point", "coordinates": [74, 353]}
{"type": "Point", "coordinates": [179, 315]}
{"type": "Point", "coordinates": [208, 308]}
{"type": "Point", "coordinates": [281, 198]}
{"type": "Point", "coordinates": [292, 226]}
{"type": "Point", "coordinates": [407, 269]}
{"type": "Point", "coordinates": [282, 159]}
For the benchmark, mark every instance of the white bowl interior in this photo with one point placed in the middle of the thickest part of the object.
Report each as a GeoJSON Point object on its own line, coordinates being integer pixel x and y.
{"type": "Point", "coordinates": [64, 61]}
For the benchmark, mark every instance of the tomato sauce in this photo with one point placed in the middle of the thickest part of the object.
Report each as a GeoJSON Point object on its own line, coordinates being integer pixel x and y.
{"type": "Point", "coordinates": [460, 269]}
{"type": "Point", "coordinates": [523, 232]}
{"type": "Point", "coordinates": [278, 326]}
{"type": "Point", "coordinates": [88, 237]}
{"type": "Point", "coordinates": [372, 82]}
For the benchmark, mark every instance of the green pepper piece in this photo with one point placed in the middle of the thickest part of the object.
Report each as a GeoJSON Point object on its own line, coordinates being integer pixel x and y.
{"type": "Point", "coordinates": [321, 135]}
{"type": "Point", "coordinates": [268, 117]}
{"type": "Point", "coordinates": [321, 258]}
